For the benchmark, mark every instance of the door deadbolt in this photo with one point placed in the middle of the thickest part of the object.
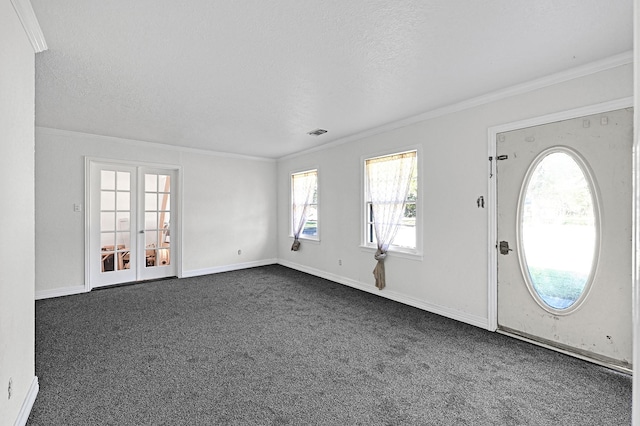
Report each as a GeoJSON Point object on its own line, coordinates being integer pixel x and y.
{"type": "Point", "coordinates": [504, 247]}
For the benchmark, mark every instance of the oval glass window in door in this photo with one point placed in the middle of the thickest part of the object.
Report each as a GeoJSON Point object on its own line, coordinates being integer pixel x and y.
{"type": "Point", "coordinates": [558, 230]}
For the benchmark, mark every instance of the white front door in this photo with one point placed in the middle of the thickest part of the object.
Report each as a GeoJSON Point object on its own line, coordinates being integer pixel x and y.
{"type": "Point", "coordinates": [131, 210]}
{"type": "Point", "coordinates": [564, 235]}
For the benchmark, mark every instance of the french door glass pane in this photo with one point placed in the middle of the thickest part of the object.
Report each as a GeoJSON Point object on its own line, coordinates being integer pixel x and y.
{"type": "Point", "coordinates": [107, 221]}
{"type": "Point", "coordinates": [151, 239]}
{"type": "Point", "coordinates": [151, 221]}
{"type": "Point", "coordinates": [107, 239]}
{"type": "Point", "coordinates": [150, 183]}
{"type": "Point", "coordinates": [123, 221]}
{"type": "Point", "coordinates": [165, 202]}
{"type": "Point", "coordinates": [115, 213]}
{"type": "Point", "coordinates": [123, 200]}
{"type": "Point", "coordinates": [108, 200]}
{"type": "Point", "coordinates": [150, 202]}
{"type": "Point", "coordinates": [157, 219]}
{"type": "Point", "coordinates": [124, 181]}
{"type": "Point", "coordinates": [108, 179]}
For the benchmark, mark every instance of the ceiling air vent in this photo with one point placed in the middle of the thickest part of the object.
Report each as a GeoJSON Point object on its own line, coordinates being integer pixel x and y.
{"type": "Point", "coordinates": [317, 132]}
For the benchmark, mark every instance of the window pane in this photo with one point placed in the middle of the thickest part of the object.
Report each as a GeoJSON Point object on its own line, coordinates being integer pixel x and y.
{"type": "Point", "coordinates": [124, 200]}
{"type": "Point", "coordinates": [107, 259]}
{"type": "Point", "coordinates": [406, 236]}
{"type": "Point", "coordinates": [151, 239]}
{"type": "Point", "coordinates": [150, 256]}
{"type": "Point", "coordinates": [166, 219]}
{"type": "Point", "coordinates": [304, 200]}
{"type": "Point", "coordinates": [150, 201]}
{"type": "Point", "coordinates": [107, 240]}
{"type": "Point", "coordinates": [164, 202]}
{"type": "Point", "coordinates": [107, 221]}
{"type": "Point", "coordinates": [107, 200]}
{"type": "Point", "coordinates": [311, 225]}
{"type": "Point", "coordinates": [123, 221]}
{"type": "Point", "coordinates": [391, 193]}
{"type": "Point", "coordinates": [164, 183]}
{"type": "Point", "coordinates": [124, 258]}
{"type": "Point", "coordinates": [151, 183]}
{"type": "Point", "coordinates": [151, 220]}
{"type": "Point", "coordinates": [124, 181]}
{"type": "Point", "coordinates": [124, 240]}
{"type": "Point", "coordinates": [108, 179]}
{"type": "Point", "coordinates": [409, 212]}
{"type": "Point", "coordinates": [163, 256]}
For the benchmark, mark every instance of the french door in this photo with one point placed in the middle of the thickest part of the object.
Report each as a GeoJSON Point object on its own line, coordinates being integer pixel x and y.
{"type": "Point", "coordinates": [564, 235]}
{"type": "Point", "coordinates": [131, 217]}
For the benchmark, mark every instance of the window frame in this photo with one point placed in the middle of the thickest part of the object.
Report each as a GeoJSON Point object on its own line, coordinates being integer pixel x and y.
{"type": "Point", "coordinates": [394, 250]}
{"type": "Point", "coordinates": [302, 236]}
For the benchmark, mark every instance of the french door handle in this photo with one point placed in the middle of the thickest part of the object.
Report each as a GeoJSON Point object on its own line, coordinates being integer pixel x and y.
{"type": "Point", "coordinates": [141, 232]}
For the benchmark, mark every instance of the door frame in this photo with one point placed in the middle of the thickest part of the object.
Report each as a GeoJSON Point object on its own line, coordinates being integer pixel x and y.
{"type": "Point", "coordinates": [176, 252]}
{"type": "Point", "coordinates": [492, 189]}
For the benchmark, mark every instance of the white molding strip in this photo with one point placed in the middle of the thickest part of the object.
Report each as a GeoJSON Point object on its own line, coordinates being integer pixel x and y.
{"type": "Point", "coordinates": [397, 297]}
{"type": "Point", "coordinates": [29, 21]}
{"type": "Point", "coordinates": [492, 206]}
{"type": "Point", "coordinates": [227, 268]}
{"type": "Point", "coordinates": [144, 144]}
{"type": "Point", "coordinates": [635, 274]}
{"type": "Point", "coordinates": [27, 404]}
{"type": "Point", "coordinates": [59, 292]}
{"type": "Point", "coordinates": [540, 83]}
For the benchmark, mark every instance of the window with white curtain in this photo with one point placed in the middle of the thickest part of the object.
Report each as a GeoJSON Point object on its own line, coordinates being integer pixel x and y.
{"type": "Point", "coordinates": [386, 181]}
{"type": "Point", "coordinates": [304, 204]}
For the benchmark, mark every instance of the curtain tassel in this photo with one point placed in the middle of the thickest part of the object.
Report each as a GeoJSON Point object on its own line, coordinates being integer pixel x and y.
{"type": "Point", "coordinates": [378, 271]}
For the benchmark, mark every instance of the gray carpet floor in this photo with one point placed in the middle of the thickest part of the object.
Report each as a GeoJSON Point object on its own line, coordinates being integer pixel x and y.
{"type": "Point", "coordinates": [274, 346]}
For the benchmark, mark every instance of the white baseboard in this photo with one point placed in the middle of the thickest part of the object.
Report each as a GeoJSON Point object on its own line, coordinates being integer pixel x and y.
{"type": "Point", "coordinates": [68, 291]}
{"type": "Point", "coordinates": [59, 292]}
{"type": "Point", "coordinates": [27, 404]}
{"type": "Point", "coordinates": [398, 297]}
{"type": "Point", "coordinates": [227, 268]}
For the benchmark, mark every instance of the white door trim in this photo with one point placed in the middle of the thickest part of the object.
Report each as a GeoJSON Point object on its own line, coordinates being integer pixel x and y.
{"type": "Point", "coordinates": [492, 206]}
{"type": "Point", "coordinates": [177, 245]}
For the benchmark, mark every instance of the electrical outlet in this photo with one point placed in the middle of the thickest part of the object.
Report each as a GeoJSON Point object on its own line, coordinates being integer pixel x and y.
{"type": "Point", "coordinates": [239, 252]}
{"type": "Point", "coordinates": [10, 388]}
{"type": "Point", "coordinates": [339, 262]}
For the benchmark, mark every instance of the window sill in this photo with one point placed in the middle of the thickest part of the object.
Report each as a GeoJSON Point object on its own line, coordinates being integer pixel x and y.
{"type": "Point", "coordinates": [395, 252]}
{"type": "Point", "coordinates": [307, 240]}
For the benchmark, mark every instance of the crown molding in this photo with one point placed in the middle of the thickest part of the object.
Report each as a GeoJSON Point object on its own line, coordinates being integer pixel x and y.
{"type": "Point", "coordinates": [550, 80]}
{"type": "Point", "coordinates": [29, 21]}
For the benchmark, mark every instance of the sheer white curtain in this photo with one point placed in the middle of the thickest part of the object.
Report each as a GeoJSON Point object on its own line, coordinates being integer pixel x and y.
{"type": "Point", "coordinates": [303, 187]}
{"type": "Point", "coordinates": [387, 182]}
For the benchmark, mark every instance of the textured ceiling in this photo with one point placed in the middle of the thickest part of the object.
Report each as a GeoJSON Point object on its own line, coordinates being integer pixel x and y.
{"type": "Point", "coordinates": [253, 77]}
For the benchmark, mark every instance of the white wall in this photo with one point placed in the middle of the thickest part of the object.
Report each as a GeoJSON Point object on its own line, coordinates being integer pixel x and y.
{"type": "Point", "coordinates": [229, 204]}
{"type": "Point", "coordinates": [17, 324]}
{"type": "Point", "coordinates": [451, 278]}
